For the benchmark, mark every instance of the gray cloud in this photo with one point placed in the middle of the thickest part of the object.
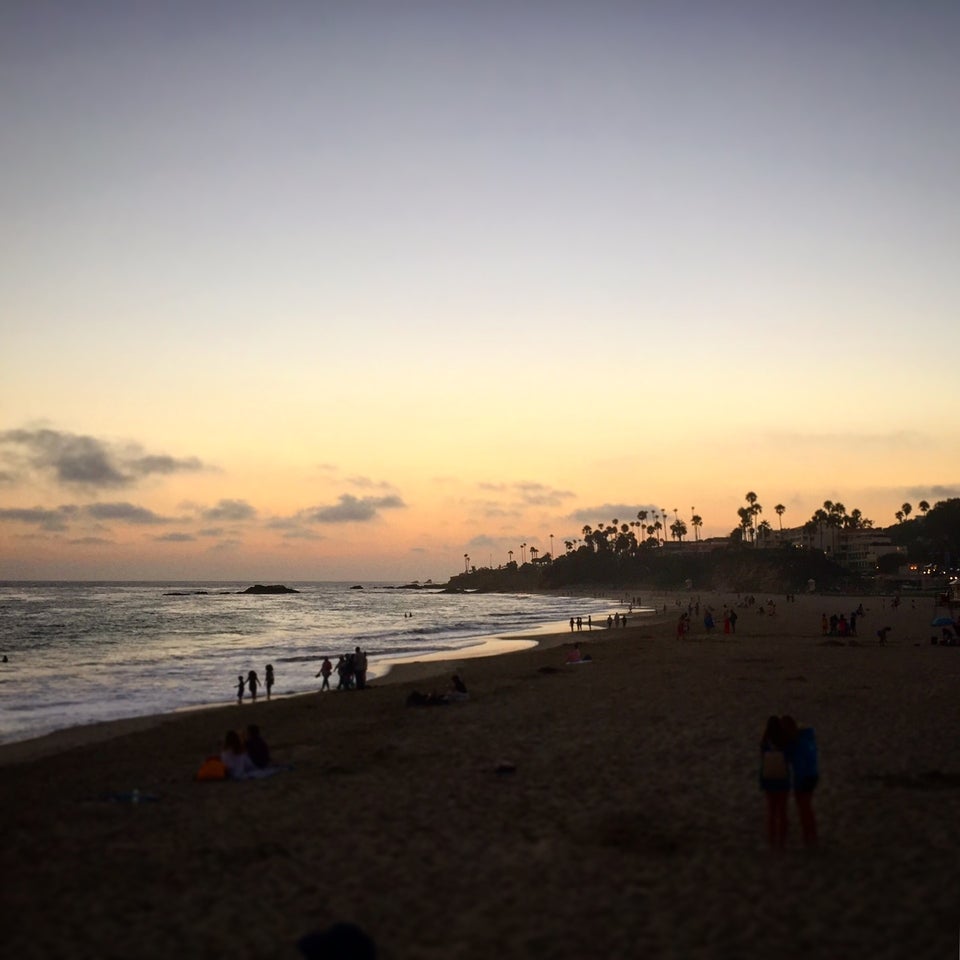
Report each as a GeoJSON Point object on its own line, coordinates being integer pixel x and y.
{"type": "Point", "coordinates": [350, 509]}
{"type": "Point", "coordinates": [230, 511]}
{"type": "Point", "coordinates": [53, 520]}
{"type": "Point", "coordinates": [90, 542]}
{"type": "Point", "coordinates": [366, 483]}
{"type": "Point", "coordinates": [530, 493]}
{"type": "Point", "coordinates": [124, 512]}
{"type": "Point", "coordinates": [82, 461]}
{"type": "Point", "coordinates": [176, 538]}
{"type": "Point", "coordinates": [624, 512]}
{"type": "Point", "coordinates": [936, 492]}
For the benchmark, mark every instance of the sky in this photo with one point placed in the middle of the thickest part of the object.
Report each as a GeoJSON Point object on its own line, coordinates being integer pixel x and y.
{"type": "Point", "coordinates": [345, 291]}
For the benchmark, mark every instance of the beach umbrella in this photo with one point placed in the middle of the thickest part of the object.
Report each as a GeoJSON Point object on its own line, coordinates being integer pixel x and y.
{"type": "Point", "coordinates": [942, 622]}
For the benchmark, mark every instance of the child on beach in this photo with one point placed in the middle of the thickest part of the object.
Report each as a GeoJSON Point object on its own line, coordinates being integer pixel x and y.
{"type": "Point", "coordinates": [253, 681]}
{"type": "Point", "coordinates": [775, 781]}
{"type": "Point", "coordinates": [240, 686]}
{"type": "Point", "coordinates": [269, 679]}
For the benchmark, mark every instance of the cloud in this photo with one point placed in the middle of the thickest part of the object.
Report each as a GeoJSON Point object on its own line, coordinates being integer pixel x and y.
{"type": "Point", "coordinates": [936, 492]}
{"type": "Point", "coordinates": [530, 493]}
{"type": "Point", "coordinates": [54, 520]}
{"type": "Point", "coordinates": [230, 511]}
{"type": "Point", "coordinates": [303, 535]}
{"type": "Point", "coordinates": [124, 512]}
{"type": "Point", "coordinates": [366, 483]}
{"type": "Point", "coordinates": [606, 512]}
{"type": "Point", "coordinates": [74, 460]}
{"type": "Point", "coordinates": [90, 542]}
{"type": "Point", "coordinates": [176, 538]}
{"type": "Point", "coordinates": [351, 509]}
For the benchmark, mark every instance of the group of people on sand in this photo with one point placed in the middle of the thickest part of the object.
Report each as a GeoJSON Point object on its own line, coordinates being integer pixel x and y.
{"type": "Point", "coordinates": [351, 670]}
{"type": "Point", "coordinates": [788, 762]}
{"type": "Point", "coordinates": [251, 683]}
{"type": "Point", "coordinates": [840, 625]}
{"type": "Point", "coordinates": [246, 756]}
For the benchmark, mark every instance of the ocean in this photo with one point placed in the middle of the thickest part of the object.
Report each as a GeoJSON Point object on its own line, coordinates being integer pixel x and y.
{"type": "Point", "coordinates": [84, 652]}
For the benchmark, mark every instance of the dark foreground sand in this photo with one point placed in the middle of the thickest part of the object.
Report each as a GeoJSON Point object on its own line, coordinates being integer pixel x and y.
{"type": "Point", "coordinates": [631, 827]}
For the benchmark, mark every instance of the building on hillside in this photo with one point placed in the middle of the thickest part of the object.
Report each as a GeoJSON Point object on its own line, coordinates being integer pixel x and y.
{"type": "Point", "coordinates": [857, 550]}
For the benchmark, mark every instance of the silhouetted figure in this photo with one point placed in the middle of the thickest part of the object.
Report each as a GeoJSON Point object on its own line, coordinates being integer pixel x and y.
{"type": "Point", "coordinates": [801, 751]}
{"type": "Point", "coordinates": [257, 748]}
{"type": "Point", "coordinates": [268, 679]}
{"type": "Point", "coordinates": [253, 681]}
{"type": "Point", "coordinates": [240, 686]}
{"type": "Point", "coordinates": [775, 781]}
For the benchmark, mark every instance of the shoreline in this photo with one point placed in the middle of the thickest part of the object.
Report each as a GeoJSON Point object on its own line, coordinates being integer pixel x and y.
{"type": "Point", "coordinates": [398, 670]}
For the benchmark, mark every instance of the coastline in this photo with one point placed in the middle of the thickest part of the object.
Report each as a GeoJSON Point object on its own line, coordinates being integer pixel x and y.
{"type": "Point", "coordinates": [631, 782]}
{"type": "Point", "coordinates": [398, 670]}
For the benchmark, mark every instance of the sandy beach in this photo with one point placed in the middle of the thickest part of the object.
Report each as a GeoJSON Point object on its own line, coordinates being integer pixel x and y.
{"type": "Point", "coordinates": [608, 809]}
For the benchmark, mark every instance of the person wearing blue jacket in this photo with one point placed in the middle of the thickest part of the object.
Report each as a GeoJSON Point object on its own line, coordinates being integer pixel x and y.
{"type": "Point", "coordinates": [801, 751]}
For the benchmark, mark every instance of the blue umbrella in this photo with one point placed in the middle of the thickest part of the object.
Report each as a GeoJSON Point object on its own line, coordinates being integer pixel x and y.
{"type": "Point", "coordinates": [942, 622]}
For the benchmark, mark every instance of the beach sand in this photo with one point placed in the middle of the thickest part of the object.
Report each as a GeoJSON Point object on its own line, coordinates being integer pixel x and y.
{"type": "Point", "coordinates": [630, 826]}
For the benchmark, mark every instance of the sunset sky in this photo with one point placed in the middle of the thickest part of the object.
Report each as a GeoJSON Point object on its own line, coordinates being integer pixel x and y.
{"type": "Point", "coordinates": [317, 290]}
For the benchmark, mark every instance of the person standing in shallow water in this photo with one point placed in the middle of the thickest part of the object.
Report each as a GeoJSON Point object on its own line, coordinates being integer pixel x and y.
{"type": "Point", "coordinates": [268, 679]}
{"type": "Point", "coordinates": [253, 681]}
{"type": "Point", "coordinates": [240, 685]}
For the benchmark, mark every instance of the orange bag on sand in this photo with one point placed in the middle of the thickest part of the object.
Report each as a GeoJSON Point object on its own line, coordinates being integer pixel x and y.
{"type": "Point", "coordinates": [213, 768]}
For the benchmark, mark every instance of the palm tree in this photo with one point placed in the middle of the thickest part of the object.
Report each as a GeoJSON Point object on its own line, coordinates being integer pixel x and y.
{"type": "Point", "coordinates": [657, 527]}
{"type": "Point", "coordinates": [510, 555]}
{"type": "Point", "coordinates": [763, 530]}
{"type": "Point", "coordinates": [923, 507]}
{"type": "Point", "coordinates": [552, 554]}
{"type": "Point", "coordinates": [697, 522]}
{"type": "Point", "coordinates": [466, 563]}
{"type": "Point", "coordinates": [780, 510]}
{"type": "Point", "coordinates": [679, 529]}
{"type": "Point", "coordinates": [753, 509]}
{"type": "Point", "coordinates": [899, 516]}
{"type": "Point", "coordinates": [906, 508]}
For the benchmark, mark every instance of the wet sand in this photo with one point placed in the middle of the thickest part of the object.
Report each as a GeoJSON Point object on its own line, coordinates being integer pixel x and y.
{"type": "Point", "coordinates": [629, 822]}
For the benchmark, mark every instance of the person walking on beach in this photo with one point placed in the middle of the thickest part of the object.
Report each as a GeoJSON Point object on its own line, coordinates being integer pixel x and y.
{"type": "Point", "coordinates": [775, 781]}
{"type": "Point", "coordinates": [240, 685]}
{"type": "Point", "coordinates": [253, 681]}
{"type": "Point", "coordinates": [268, 678]}
{"type": "Point", "coordinates": [733, 621]}
{"type": "Point", "coordinates": [801, 752]}
{"type": "Point", "coordinates": [326, 668]}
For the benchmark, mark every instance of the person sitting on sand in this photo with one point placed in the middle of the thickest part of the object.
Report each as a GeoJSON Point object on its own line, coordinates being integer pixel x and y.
{"type": "Point", "coordinates": [575, 656]}
{"type": "Point", "coordinates": [459, 691]}
{"type": "Point", "coordinates": [235, 758]}
{"type": "Point", "coordinates": [257, 749]}
{"type": "Point", "coordinates": [775, 781]}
